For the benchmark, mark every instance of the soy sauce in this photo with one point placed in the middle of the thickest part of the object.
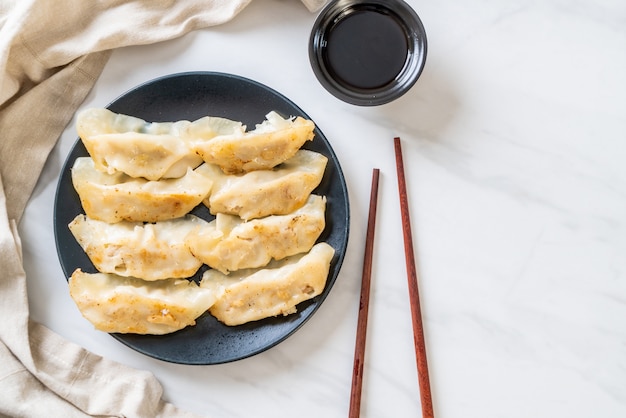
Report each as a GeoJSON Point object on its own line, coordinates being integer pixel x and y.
{"type": "Point", "coordinates": [366, 49]}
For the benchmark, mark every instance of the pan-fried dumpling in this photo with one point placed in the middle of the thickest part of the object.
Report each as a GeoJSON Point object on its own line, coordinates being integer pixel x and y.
{"type": "Point", "coordinates": [269, 144]}
{"type": "Point", "coordinates": [250, 295]}
{"type": "Point", "coordinates": [228, 243]}
{"type": "Point", "coordinates": [129, 305]}
{"type": "Point", "coordinates": [265, 192]}
{"type": "Point", "coordinates": [118, 197]}
{"type": "Point", "coordinates": [156, 150]}
{"type": "Point", "coordinates": [146, 251]}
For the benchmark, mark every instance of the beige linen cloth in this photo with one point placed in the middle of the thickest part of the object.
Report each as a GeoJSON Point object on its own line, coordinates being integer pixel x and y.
{"type": "Point", "coordinates": [51, 53]}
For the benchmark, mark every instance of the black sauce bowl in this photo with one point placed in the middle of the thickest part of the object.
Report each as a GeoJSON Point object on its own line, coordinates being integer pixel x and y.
{"type": "Point", "coordinates": [367, 52]}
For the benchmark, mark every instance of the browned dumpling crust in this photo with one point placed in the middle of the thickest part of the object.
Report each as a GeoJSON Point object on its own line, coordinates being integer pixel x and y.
{"type": "Point", "coordinates": [265, 192]}
{"type": "Point", "coordinates": [152, 251]}
{"type": "Point", "coordinates": [228, 243]}
{"type": "Point", "coordinates": [117, 197]}
{"type": "Point", "coordinates": [269, 144]}
{"type": "Point", "coordinates": [152, 150]}
{"type": "Point", "coordinates": [129, 305]}
{"type": "Point", "coordinates": [250, 295]}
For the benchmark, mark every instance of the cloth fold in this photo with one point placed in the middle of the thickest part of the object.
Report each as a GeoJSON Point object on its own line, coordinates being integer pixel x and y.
{"type": "Point", "coordinates": [51, 54]}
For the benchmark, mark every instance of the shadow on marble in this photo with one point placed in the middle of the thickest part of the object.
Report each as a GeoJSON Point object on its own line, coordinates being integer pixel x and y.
{"type": "Point", "coordinates": [428, 109]}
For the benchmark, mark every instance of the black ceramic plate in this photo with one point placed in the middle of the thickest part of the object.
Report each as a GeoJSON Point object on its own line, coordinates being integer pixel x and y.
{"type": "Point", "coordinates": [191, 96]}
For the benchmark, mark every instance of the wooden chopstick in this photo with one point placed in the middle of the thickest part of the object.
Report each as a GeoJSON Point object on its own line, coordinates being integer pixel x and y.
{"type": "Point", "coordinates": [416, 314]}
{"type": "Point", "coordinates": [361, 331]}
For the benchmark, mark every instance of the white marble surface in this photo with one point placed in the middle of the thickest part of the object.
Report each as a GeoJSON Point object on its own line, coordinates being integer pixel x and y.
{"type": "Point", "coordinates": [515, 150]}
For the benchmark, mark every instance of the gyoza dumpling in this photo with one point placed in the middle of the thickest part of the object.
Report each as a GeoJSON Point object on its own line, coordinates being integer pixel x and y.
{"type": "Point", "coordinates": [265, 192]}
{"type": "Point", "coordinates": [269, 144]}
{"type": "Point", "coordinates": [129, 305]}
{"type": "Point", "coordinates": [146, 251]}
{"type": "Point", "coordinates": [118, 197]}
{"type": "Point", "coordinates": [228, 243]}
{"type": "Point", "coordinates": [156, 150]}
{"type": "Point", "coordinates": [250, 295]}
